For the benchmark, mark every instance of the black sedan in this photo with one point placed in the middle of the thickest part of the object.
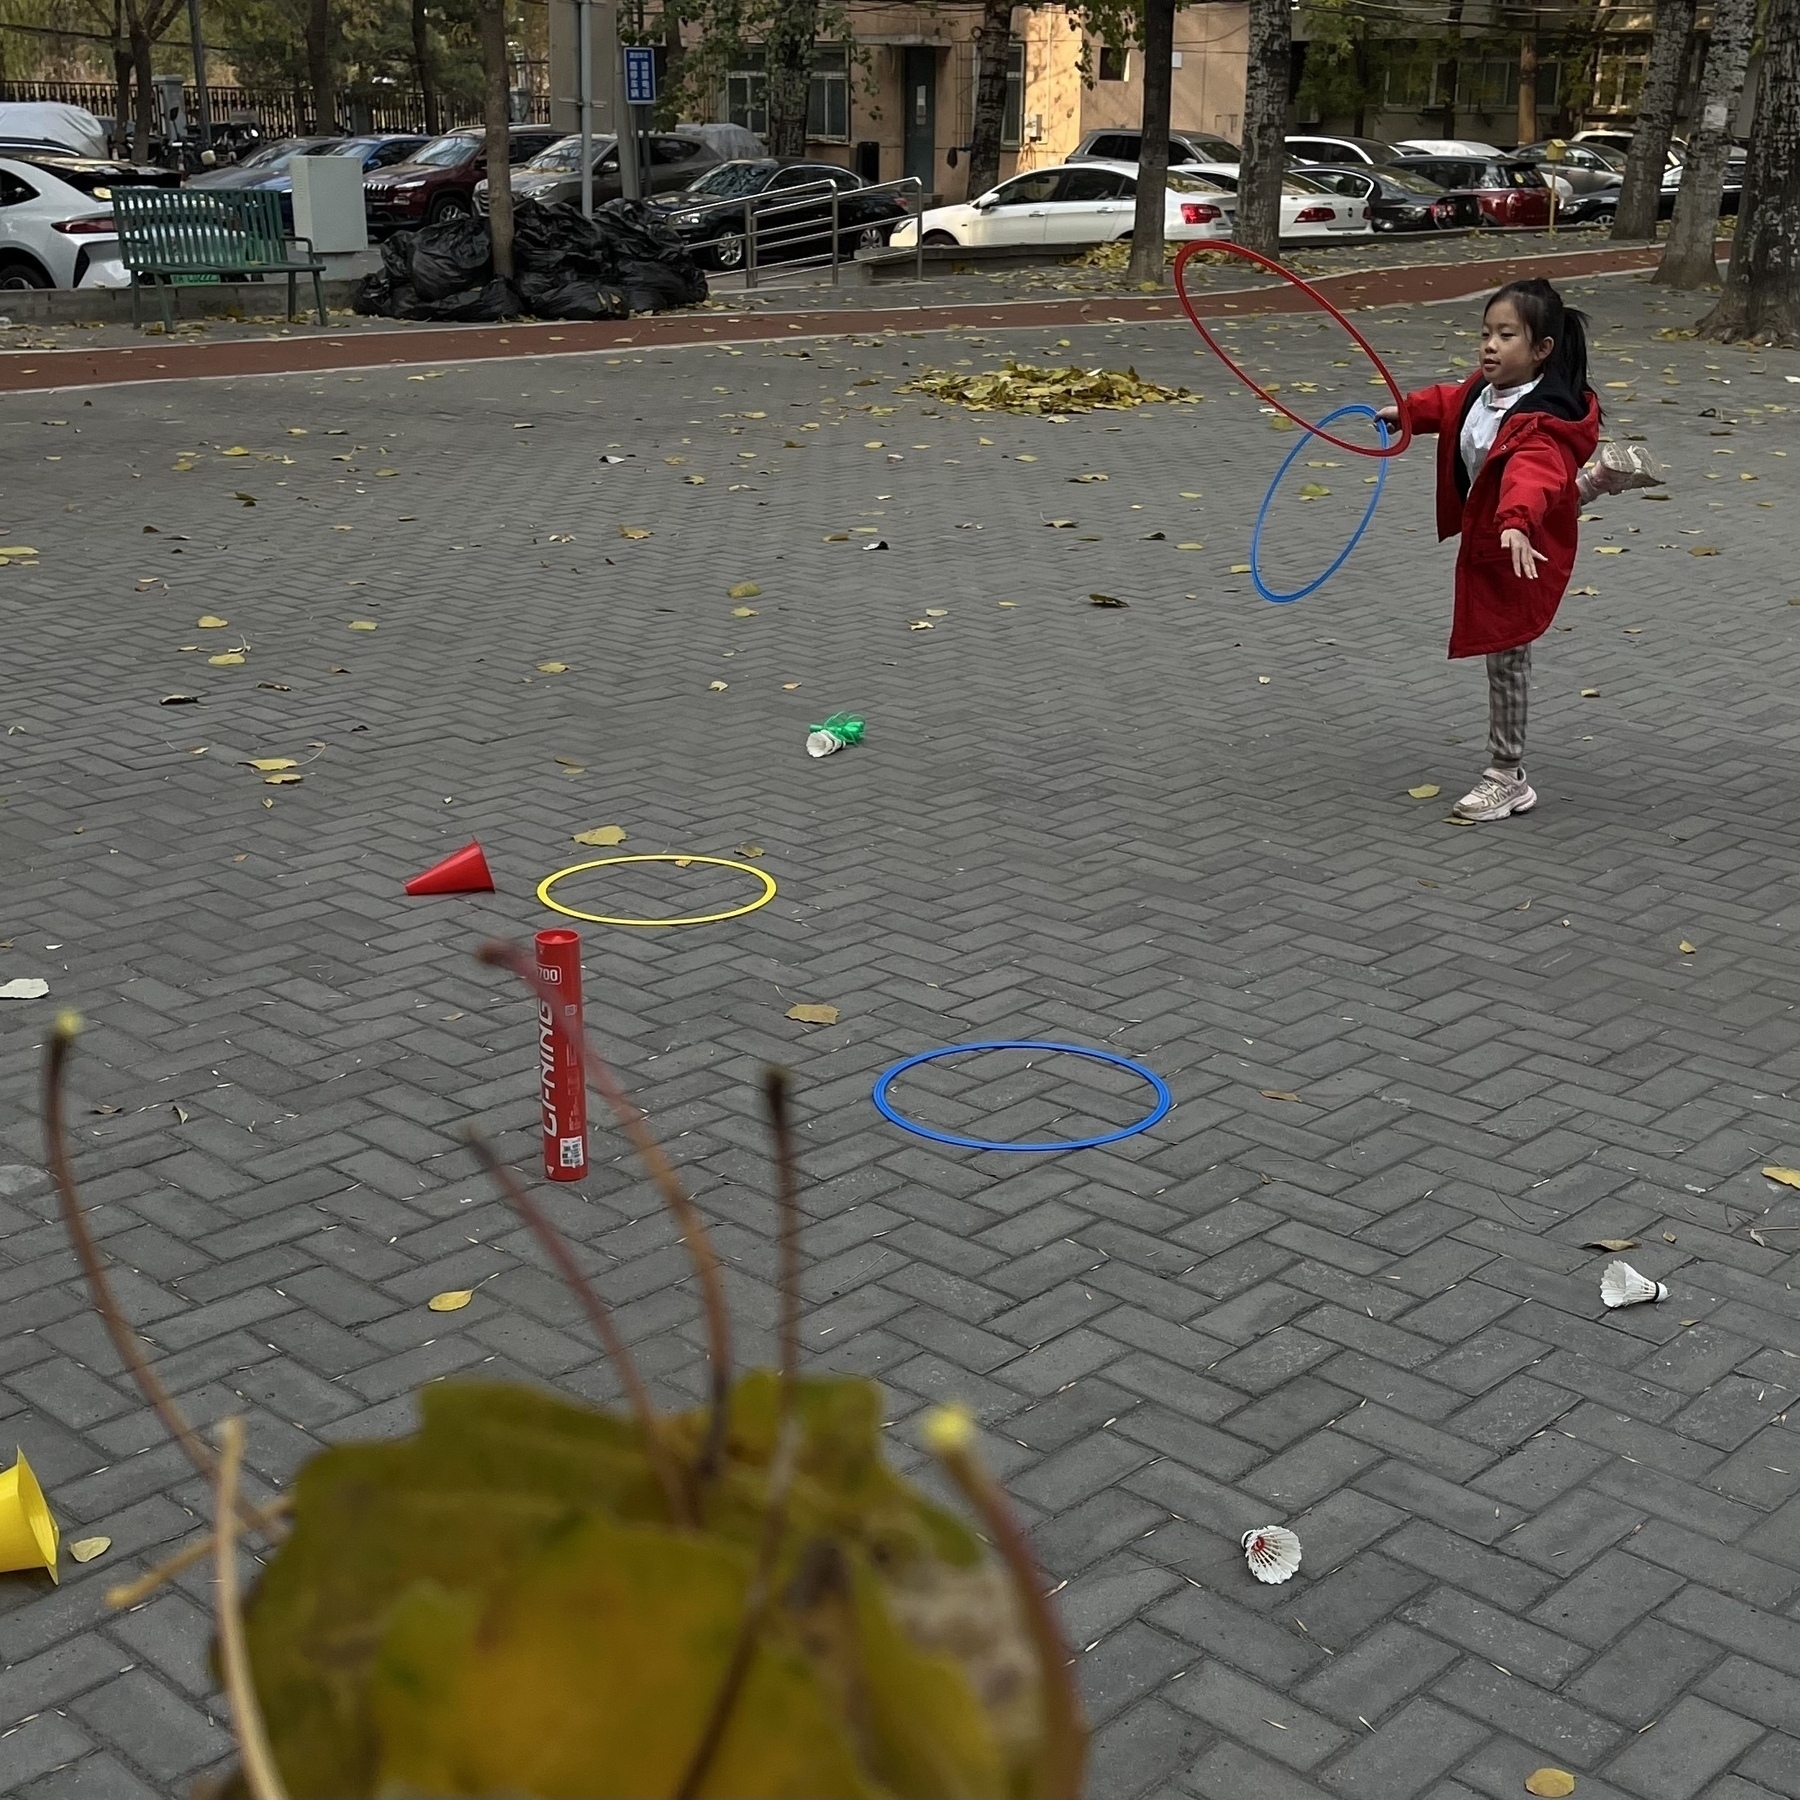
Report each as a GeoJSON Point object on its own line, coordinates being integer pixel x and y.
{"type": "Point", "coordinates": [1399, 200]}
{"type": "Point", "coordinates": [788, 230]}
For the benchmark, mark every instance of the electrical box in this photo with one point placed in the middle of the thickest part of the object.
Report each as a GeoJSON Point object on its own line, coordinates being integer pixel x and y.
{"type": "Point", "coordinates": [328, 203]}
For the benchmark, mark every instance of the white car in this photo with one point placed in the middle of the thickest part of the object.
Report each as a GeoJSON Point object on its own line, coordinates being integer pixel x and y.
{"type": "Point", "coordinates": [1077, 203]}
{"type": "Point", "coordinates": [1309, 209]}
{"type": "Point", "coordinates": [52, 234]}
{"type": "Point", "coordinates": [1446, 147]}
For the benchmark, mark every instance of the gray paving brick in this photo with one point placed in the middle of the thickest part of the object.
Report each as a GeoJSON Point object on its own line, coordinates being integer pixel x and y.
{"type": "Point", "coordinates": [1387, 1668]}
{"type": "Point", "coordinates": [1643, 1672]}
{"type": "Point", "coordinates": [1691, 1744]}
{"type": "Point", "coordinates": [1247, 1710]}
{"type": "Point", "coordinates": [1566, 1733]}
{"type": "Point", "coordinates": [48, 1742]}
{"type": "Point", "coordinates": [1406, 1753]}
{"type": "Point", "coordinates": [1608, 1596]}
{"type": "Point", "coordinates": [1751, 1688]}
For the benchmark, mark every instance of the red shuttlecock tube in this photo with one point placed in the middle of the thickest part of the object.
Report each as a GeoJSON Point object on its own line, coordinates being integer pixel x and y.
{"type": "Point", "coordinates": [561, 1089]}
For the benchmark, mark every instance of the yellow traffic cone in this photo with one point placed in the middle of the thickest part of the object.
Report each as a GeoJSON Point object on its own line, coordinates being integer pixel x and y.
{"type": "Point", "coordinates": [28, 1534]}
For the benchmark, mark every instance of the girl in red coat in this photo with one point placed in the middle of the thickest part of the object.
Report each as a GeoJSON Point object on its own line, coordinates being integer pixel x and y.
{"type": "Point", "coordinates": [1512, 440]}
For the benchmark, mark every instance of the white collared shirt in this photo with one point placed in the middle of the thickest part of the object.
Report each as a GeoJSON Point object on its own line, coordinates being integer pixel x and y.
{"type": "Point", "coordinates": [1485, 418]}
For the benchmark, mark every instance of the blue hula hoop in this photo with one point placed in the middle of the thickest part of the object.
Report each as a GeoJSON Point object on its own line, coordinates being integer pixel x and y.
{"type": "Point", "coordinates": [1164, 1099]}
{"type": "Point", "coordinates": [1318, 581]}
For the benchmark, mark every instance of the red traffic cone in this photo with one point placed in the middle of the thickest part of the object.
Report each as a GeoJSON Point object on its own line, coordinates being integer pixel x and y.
{"type": "Point", "coordinates": [465, 872]}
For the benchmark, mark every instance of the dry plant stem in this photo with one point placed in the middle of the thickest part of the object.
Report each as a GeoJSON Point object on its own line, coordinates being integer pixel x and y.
{"type": "Point", "coordinates": [778, 1088]}
{"type": "Point", "coordinates": [637, 1396]}
{"type": "Point", "coordinates": [756, 1609]}
{"type": "Point", "coordinates": [1063, 1759]}
{"type": "Point", "coordinates": [129, 1593]}
{"type": "Point", "coordinates": [62, 1041]}
{"type": "Point", "coordinates": [500, 954]}
{"type": "Point", "coordinates": [261, 1776]}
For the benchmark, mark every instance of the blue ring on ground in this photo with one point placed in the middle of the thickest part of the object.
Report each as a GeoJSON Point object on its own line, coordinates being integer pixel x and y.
{"type": "Point", "coordinates": [1164, 1099]}
{"type": "Point", "coordinates": [1381, 469]}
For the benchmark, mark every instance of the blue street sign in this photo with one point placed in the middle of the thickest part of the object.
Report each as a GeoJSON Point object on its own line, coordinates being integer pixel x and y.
{"type": "Point", "coordinates": [640, 75]}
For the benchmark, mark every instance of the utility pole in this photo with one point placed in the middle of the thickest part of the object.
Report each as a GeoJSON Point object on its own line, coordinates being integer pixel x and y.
{"type": "Point", "coordinates": [584, 36]}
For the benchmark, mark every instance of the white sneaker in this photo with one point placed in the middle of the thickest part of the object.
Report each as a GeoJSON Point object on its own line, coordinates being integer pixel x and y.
{"type": "Point", "coordinates": [1496, 795]}
{"type": "Point", "coordinates": [1620, 467]}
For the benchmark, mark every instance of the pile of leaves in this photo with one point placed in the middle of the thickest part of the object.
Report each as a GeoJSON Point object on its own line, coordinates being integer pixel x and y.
{"type": "Point", "coordinates": [502, 1604]}
{"type": "Point", "coordinates": [1021, 388]}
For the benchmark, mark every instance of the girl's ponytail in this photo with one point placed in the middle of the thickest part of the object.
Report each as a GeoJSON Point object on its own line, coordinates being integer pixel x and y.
{"type": "Point", "coordinates": [1541, 309]}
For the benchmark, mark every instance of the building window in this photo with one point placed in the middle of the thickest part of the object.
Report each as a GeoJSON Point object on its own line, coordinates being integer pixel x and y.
{"type": "Point", "coordinates": [1617, 83]}
{"type": "Point", "coordinates": [1115, 64]}
{"type": "Point", "coordinates": [747, 99]}
{"type": "Point", "coordinates": [1012, 127]}
{"type": "Point", "coordinates": [827, 102]}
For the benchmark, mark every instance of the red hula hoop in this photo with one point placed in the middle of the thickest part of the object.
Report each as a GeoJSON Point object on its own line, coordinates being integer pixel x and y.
{"type": "Point", "coordinates": [1268, 262]}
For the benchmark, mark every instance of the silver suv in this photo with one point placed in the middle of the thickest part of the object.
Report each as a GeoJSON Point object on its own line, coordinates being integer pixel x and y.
{"type": "Point", "coordinates": [1184, 147]}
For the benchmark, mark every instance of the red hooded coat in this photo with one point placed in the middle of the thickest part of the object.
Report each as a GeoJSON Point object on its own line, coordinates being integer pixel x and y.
{"type": "Point", "coordinates": [1527, 482]}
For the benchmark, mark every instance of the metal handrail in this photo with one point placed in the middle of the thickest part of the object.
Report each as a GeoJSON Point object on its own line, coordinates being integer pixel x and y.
{"type": "Point", "coordinates": [758, 210]}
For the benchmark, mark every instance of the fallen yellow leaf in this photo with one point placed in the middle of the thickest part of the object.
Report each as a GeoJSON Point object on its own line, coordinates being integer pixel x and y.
{"type": "Point", "coordinates": [743, 612]}
{"type": "Point", "coordinates": [84, 1550]}
{"type": "Point", "coordinates": [363, 625]}
{"type": "Point", "coordinates": [814, 1015]}
{"type": "Point", "coordinates": [268, 764]}
{"type": "Point", "coordinates": [717, 687]}
{"type": "Point", "coordinates": [228, 659]}
{"type": "Point", "coordinates": [210, 622]}
{"type": "Point", "coordinates": [1550, 1784]}
{"type": "Point", "coordinates": [1789, 1177]}
{"type": "Point", "coordinates": [453, 1301]}
{"type": "Point", "coordinates": [745, 590]}
{"type": "Point", "coordinates": [1703, 550]}
{"type": "Point", "coordinates": [1685, 948]}
{"type": "Point", "coordinates": [601, 834]}
{"type": "Point", "coordinates": [282, 780]}
{"type": "Point", "coordinates": [1429, 791]}
{"type": "Point", "coordinates": [553, 668]}
{"type": "Point", "coordinates": [1240, 568]}
{"type": "Point", "coordinates": [1610, 550]}
{"type": "Point", "coordinates": [1278, 1094]}
{"type": "Point", "coordinates": [633, 532]}
{"type": "Point", "coordinates": [1610, 1244]}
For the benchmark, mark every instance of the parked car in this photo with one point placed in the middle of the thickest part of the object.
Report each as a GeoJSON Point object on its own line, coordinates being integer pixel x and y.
{"type": "Point", "coordinates": [438, 182]}
{"type": "Point", "coordinates": [73, 128]}
{"type": "Point", "coordinates": [52, 234]}
{"type": "Point", "coordinates": [1078, 203]}
{"type": "Point", "coordinates": [866, 221]}
{"type": "Point", "coordinates": [1184, 147]}
{"type": "Point", "coordinates": [1511, 194]}
{"type": "Point", "coordinates": [272, 167]}
{"type": "Point", "coordinates": [1397, 199]}
{"type": "Point", "coordinates": [1367, 151]}
{"type": "Point", "coordinates": [1584, 168]}
{"type": "Point", "coordinates": [1309, 209]}
{"type": "Point", "coordinates": [676, 161]}
{"type": "Point", "coordinates": [1446, 147]}
{"type": "Point", "coordinates": [95, 175]}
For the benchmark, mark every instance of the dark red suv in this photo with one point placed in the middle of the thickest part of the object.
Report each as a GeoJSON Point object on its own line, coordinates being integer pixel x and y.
{"type": "Point", "coordinates": [439, 182]}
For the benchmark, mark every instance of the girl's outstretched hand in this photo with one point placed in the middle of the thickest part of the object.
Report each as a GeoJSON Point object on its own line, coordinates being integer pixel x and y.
{"type": "Point", "coordinates": [1389, 414]}
{"type": "Point", "coordinates": [1524, 559]}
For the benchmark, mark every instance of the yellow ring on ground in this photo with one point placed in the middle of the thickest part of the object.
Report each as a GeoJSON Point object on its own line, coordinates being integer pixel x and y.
{"type": "Point", "coordinates": [601, 862]}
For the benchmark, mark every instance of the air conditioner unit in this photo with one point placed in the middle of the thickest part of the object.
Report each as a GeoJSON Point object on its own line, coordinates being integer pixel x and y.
{"type": "Point", "coordinates": [1034, 129]}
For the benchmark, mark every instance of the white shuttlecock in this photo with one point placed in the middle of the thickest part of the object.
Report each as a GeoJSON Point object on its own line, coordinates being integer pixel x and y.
{"type": "Point", "coordinates": [1622, 1285]}
{"type": "Point", "coordinates": [1273, 1553]}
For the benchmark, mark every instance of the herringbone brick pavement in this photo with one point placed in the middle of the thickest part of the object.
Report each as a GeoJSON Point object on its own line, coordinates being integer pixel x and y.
{"type": "Point", "coordinates": [1347, 1283]}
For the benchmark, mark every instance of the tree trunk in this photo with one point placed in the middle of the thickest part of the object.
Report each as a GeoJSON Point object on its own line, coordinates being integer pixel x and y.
{"type": "Point", "coordinates": [1153, 146]}
{"type": "Point", "coordinates": [793, 31]}
{"type": "Point", "coordinates": [674, 55]}
{"type": "Point", "coordinates": [1265, 126]}
{"type": "Point", "coordinates": [1452, 68]}
{"type": "Point", "coordinates": [141, 69]}
{"type": "Point", "coordinates": [1648, 156]}
{"type": "Point", "coordinates": [497, 94]}
{"type": "Point", "coordinates": [1365, 80]}
{"type": "Point", "coordinates": [1689, 259]}
{"type": "Point", "coordinates": [422, 68]}
{"type": "Point", "coordinates": [121, 132]}
{"type": "Point", "coordinates": [321, 64]}
{"type": "Point", "coordinates": [993, 47]}
{"type": "Point", "coordinates": [1528, 71]}
{"type": "Point", "coordinates": [1762, 288]}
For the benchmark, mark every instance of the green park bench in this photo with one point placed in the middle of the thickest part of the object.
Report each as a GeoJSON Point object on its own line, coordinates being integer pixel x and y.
{"type": "Point", "coordinates": [171, 236]}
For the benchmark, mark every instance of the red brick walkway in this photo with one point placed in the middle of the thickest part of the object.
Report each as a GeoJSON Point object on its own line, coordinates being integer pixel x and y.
{"type": "Point", "coordinates": [25, 370]}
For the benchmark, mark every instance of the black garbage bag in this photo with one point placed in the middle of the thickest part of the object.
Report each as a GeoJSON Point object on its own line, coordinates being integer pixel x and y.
{"type": "Point", "coordinates": [656, 268]}
{"type": "Point", "coordinates": [562, 295]}
{"type": "Point", "coordinates": [555, 239]}
{"type": "Point", "coordinates": [651, 287]}
{"type": "Point", "coordinates": [493, 300]}
{"type": "Point", "coordinates": [396, 256]}
{"type": "Point", "coordinates": [451, 258]}
{"type": "Point", "coordinates": [374, 296]}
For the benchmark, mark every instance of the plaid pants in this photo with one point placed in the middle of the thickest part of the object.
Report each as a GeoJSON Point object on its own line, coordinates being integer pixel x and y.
{"type": "Point", "coordinates": [1509, 684]}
